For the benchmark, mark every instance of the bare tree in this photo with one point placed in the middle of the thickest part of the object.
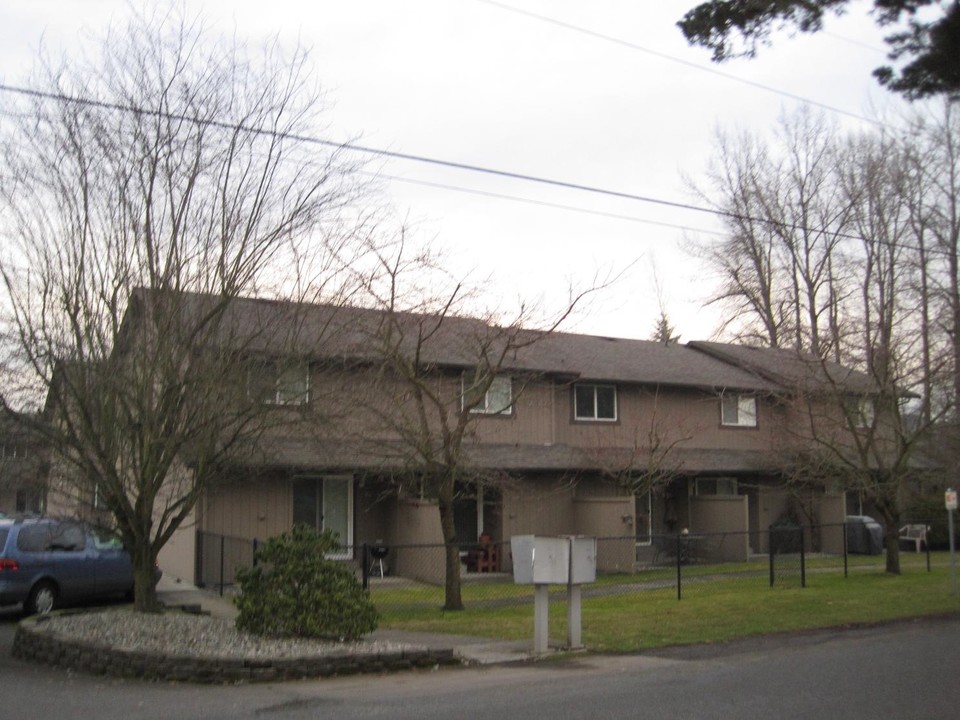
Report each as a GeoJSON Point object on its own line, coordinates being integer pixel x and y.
{"type": "Point", "coordinates": [441, 368]}
{"type": "Point", "coordinates": [859, 257]}
{"type": "Point", "coordinates": [777, 271]}
{"type": "Point", "coordinates": [936, 215]}
{"type": "Point", "coordinates": [144, 188]}
{"type": "Point", "coordinates": [653, 459]}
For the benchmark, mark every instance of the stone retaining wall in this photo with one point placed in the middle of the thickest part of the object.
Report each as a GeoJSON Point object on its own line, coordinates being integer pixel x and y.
{"type": "Point", "coordinates": [32, 643]}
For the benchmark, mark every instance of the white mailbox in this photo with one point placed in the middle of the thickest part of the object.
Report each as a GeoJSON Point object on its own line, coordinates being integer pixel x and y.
{"type": "Point", "coordinates": [540, 560]}
{"type": "Point", "coordinates": [553, 560]}
{"type": "Point", "coordinates": [583, 560]}
{"type": "Point", "coordinates": [545, 561]}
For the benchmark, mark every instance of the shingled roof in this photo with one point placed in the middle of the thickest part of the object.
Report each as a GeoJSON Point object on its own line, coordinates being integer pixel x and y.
{"type": "Point", "coordinates": [350, 333]}
{"type": "Point", "coordinates": [790, 369]}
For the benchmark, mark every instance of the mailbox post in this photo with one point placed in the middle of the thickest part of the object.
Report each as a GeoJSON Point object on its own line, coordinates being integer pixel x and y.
{"type": "Point", "coordinates": [583, 569]}
{"type": "Point", "coordinates": [545, 561]}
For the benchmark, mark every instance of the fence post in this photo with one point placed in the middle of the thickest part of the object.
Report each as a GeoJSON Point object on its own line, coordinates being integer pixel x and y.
{"type": "Point", "coordinates": [222, 546]}
{"type": "Point", "coordinates": [770, 545]}
{"type": "Point", "coordinates": [256, 546]}
{"type": "Point", "coordinates": [803, 559]}
{"type": "Point", "coordinates": [926, 545]}
{"type": "Point", "coordinates": [679, 574]}
{"type": "Point", "coordinates": [843, 529]}
{"type": "Point", "coordinates": [365, 566]}
{"type": "Point", "coordinates": [198, 578]}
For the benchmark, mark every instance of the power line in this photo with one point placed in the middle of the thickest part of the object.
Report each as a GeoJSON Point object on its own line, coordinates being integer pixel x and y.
{"type": "Point", "coordinates": [679, 61]}
{"type": "Point", "coordinates": [851, 41]}
{"type": "Point", "coordinates": [379, 152]}
{"type": "Point", "coordinates": [544, 203]}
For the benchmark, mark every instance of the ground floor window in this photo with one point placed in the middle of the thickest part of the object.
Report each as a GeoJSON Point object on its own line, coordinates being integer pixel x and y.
{"type": "Point", "coordinates": [474, 512]}
{"type": "Point", "coordinates": [29, 500]}
{"type": "Point", "coordinates": [326, 503]}
{"type": "Point", "coordinates": [644, 515]}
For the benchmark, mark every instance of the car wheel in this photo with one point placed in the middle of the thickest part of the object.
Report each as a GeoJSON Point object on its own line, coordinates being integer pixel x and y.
{"type": "Point", "coordinates": [42, 599]}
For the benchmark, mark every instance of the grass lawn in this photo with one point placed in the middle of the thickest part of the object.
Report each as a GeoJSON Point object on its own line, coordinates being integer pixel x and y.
{"type": "Point", "coordinates": [629, 619]}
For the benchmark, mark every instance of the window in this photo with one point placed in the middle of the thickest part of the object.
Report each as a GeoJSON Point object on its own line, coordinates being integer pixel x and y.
{"type": "Point", "coordinates": [497, 400]}
{"type": "Point", "coordinates": [594, 402]}
{"type": "Point", "coordinates": [68, 537]}
{"type": "Point", "coordinates": [860, 411]}
{"type": "Point", "coordinates": [105, 540]}
{"type": "Point", "coordinates": [29, 500]}
{"type": "Point", "coordinates": [34, 538]}
{"type": "Point", "coordinates": [277, 383]}
{"type": "Point", "coordinates": [98, 502]}
{"type": "Point", "coordinates": [50, 537]}
{"type": "Point", "coordinates": [474, 512]}
{"type": "Point", "coordinates": [12, 452]}
{"type": "Point", "coordinates": [716, 486]}
{"type": "Point", "coordinates": [326, 504]}
{"type": "Point", "coordinates": [643, 509]}
{"type": "Point", "coordinates": [738, 410]}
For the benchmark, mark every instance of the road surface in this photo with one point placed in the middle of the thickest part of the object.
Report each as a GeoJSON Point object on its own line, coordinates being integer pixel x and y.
{"type": "Point", "coordinates": [904, 670]}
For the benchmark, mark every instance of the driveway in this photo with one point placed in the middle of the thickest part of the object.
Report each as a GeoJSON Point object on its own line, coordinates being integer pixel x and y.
{"type": "Point", "coordinates": [904, 670]}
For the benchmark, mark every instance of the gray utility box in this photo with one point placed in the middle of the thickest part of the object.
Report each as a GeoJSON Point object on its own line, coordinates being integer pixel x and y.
{"type": "Point", "coordinates": [553, 560]}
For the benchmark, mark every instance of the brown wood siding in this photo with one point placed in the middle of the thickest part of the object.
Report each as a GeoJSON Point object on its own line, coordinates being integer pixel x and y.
{"type": "Point", "coordinates": [350, 405]}
{"type": "Point", "coordinates": [531, 422]}
{"type": "Point", "coordinates": [689, 417]}
{"type": "Point", "coordinates": [250, 508]}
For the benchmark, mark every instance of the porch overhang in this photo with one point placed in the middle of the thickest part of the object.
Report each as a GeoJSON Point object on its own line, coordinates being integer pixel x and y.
{"type": "Point", "coordinates": [386, 456]}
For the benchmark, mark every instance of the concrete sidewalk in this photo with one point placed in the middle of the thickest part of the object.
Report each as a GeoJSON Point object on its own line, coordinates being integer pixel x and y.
{"type": "Point", "coordinates": [469, 649]}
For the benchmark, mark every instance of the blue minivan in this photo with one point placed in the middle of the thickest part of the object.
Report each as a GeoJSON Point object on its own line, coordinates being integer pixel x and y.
{"type": "Point", "coordinates": [46, 563]}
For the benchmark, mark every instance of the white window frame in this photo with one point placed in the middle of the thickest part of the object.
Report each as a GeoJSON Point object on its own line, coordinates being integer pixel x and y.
{"type": "Point", "coordinates": [490, 405]}
{"type": "Point", "coordinates": [648, 530]}
{"type": "Point", "coordinates": [716, 487]}
{"type": "Point", "coordinates": [594, 417]}
{"type": "Point", "coordinates": [861, 411]}
{"type": "Point", "coordinates": [280, 374]}
{"type": "Point", "coordinates": [746, 408]}
{"type": "Point", "coordinates": [320, 512]}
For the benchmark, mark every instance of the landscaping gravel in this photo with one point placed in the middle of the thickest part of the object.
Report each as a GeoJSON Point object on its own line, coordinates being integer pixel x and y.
{"type": "Point", "coordinates": [192, 635]}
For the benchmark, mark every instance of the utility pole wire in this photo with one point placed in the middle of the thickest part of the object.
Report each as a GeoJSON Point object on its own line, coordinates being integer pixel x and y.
{"type": "Point", "coordinates": [422, 159]}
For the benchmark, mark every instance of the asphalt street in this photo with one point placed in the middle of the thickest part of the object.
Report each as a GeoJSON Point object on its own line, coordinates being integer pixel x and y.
{"type": "Point", "coordinates": [905, 670]}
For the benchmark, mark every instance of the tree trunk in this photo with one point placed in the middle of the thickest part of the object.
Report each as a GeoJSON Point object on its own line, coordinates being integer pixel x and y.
{"type": "Point", "coordinates": [891, 542]}
{"type": "Point", "coordinates": [145, 583]}
{"type": "Point", "coordinates": [452, 597]}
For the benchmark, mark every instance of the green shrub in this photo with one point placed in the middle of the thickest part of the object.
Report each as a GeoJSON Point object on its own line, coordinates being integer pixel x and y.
{"type": "Point", "coordinates": [295, 591]}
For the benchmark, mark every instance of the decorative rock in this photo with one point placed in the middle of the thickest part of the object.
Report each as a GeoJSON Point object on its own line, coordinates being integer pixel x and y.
{"type": "Point", "coordinates": [199, 648]}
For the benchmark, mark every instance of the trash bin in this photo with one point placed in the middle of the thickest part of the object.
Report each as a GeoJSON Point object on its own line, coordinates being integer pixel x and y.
{"type": "Point", "coordinates": [864, 535]}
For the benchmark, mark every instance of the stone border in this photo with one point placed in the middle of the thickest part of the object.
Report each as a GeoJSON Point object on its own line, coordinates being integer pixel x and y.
{"type": "Point", "coordinates": [34, 644]}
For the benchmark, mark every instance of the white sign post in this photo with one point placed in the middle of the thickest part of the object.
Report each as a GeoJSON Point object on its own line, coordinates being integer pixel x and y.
{"type": "Point", "coordinates": [950, 499]}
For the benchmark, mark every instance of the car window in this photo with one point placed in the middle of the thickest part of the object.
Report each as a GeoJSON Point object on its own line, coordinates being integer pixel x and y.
{"type": "Point", "coordinates": [34, 538]}
{"type": "Point", "coordinates": [105, 540]}
{"type": "Point", "coordinates": [3, 537]}
{"type": "Point", "coordinates": [68, 537]}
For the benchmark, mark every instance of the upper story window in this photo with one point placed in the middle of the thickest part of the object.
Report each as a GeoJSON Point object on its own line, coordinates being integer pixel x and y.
{"type": "Point", "coordinates": [716, 486]}
{"type": "Point", "coordinates": [280, 383]}
{"type": "Point", "coordinates": [860, 411]}
{"type": "Point", "coordinates": [594, 402]}
{"type": "Point", "coordinates": [738, 410]}
{"type": "Point", "coordinates": [496, 400]}
{"type": "Point", "coordinates": [12, 452]}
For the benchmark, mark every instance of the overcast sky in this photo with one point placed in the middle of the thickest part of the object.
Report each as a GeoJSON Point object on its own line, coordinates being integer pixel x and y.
{"type": "Point", "coordinates": [607, 95]}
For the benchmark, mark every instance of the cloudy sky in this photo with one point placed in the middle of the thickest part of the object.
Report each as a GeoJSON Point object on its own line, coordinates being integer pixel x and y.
{"type": "Point", "coordinates": [604, 94]}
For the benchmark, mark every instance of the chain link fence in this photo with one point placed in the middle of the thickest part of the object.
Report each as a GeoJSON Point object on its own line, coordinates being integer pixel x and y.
{"type": "Point", "coordinates": [410, 578]}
